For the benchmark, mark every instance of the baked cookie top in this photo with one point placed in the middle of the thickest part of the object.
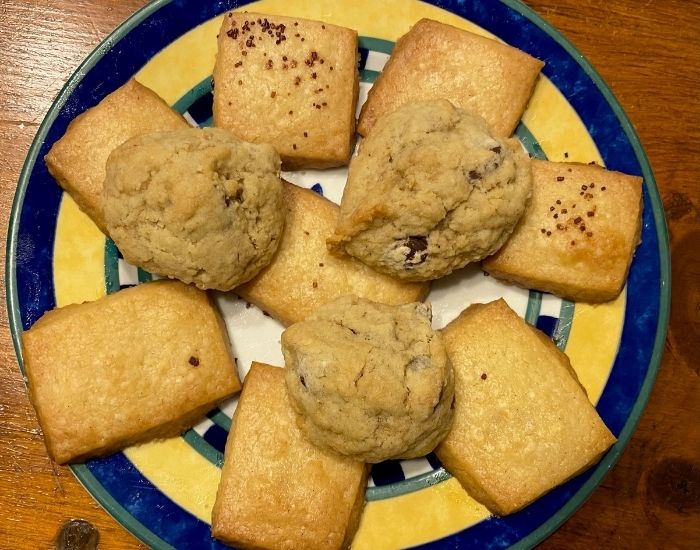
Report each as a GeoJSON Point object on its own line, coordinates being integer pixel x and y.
{"type": "Point", "coordinates": [303, 275]}
{"type": "Point", "coordinates": [431, 191]}
{"type": "Point", "coordinates": [78, 159]}
{"type": "Point", "coordinates": [369, 380]}
{"type": "Point", "coordinates": [196, 205]}
{"type": "Point", "coordinates": [578, 234]}
{"type": "Point", "coordinates": [434, 60]}
{"type": "Point", "coordinates": [289, 82]}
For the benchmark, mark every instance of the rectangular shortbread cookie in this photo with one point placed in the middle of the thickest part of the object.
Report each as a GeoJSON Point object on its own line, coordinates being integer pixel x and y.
{"type": "Point", "coordinates": [578, 234]}
{"type": "Point", "coordinates": [78, 159]}
{"type": "Point", "coordinates": [303, 275]}
{"type": "Point", "coordinates": [277, 490]}
{"type": "Point", "coordinates": [289, 82]}
{"type": "Point", "coordinates": [144, 363]}
{"type": "Point", "coordinates": [523, 423]}
{"type": "Point", "coordinates": [434, 60]}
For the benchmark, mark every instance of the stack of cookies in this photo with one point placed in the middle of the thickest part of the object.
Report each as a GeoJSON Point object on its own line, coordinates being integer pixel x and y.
{"type": "Point", "coordinates": [438, 183]}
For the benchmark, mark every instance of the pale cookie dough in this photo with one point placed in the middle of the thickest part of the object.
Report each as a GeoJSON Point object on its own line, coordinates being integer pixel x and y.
{"type": "Point", "coordinates": [196, 205]}
{"type": "Point", "coordinates": [431, 191]}
{"type": "Point", "coordinates": [368, 380]}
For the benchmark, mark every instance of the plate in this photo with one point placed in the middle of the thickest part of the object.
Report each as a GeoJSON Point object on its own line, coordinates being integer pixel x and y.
{"type": "Point", "coordinates": [163, 492]}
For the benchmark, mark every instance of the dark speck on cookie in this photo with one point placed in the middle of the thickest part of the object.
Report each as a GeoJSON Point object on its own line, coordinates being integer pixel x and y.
{"type": "Point", "coordinates": [417, 250]}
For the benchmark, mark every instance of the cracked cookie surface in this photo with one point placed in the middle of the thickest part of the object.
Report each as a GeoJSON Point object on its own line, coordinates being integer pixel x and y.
{"type": "Point", "coordinates": [431, 191]}
{"type": "Point", "coordinates": [368, 380]}
{"type": "Point", "coordinates": [196, 205]}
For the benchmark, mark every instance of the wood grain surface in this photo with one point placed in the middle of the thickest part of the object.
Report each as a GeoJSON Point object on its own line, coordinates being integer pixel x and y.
{"type": "Point", "coordinates": [647, 51]}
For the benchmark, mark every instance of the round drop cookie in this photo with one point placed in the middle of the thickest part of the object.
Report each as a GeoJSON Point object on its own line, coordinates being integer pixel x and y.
{"type": "Point", "coordinates": [430, 191]}
{"type": "Point", "coordinates": [369, 380]}
{"type": "Point", "coordinates": [197, 205]}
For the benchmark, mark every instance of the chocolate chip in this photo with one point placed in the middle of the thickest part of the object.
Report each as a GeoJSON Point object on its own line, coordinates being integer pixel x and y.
{"type": "Point", "coordinates": [474, 175]}
{"type": "Point", "coordinates": [417, 246]}
{"type": "Point", "coordinates": [193, 361]}
{"type": "Point", "coordinates": [496, 149]}
{"type": "Point", "coordinates": [303, 382]}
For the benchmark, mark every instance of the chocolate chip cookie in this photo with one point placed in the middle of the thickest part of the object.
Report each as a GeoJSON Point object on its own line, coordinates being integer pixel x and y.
{"type": "Point", "coordinates": [197, 205]}
{"type": "Point", "coordinates": [369, 380]}
{"type": "Point", "coordinates": [431, 191]}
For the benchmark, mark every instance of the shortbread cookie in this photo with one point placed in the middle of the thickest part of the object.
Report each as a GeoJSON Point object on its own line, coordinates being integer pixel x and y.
{"type": "Point", "coordinates": [277, 490]}
{"type": "Point", "coordinates": [303, 275]}
{"type": "Point", "coordinates": [368, 380]}
{"type": "Point", "coordinates": [289, 82]}
{"type": "Point", "coordinates": [578, 235]}
{"type": "Point", "coordinates": [431, 191]}
{"type": "Point", "coordinates": [147, 362]}
{"type": "Point", "coordinates": [522, 422]}
{"type": "Point", "coordinates": [197, 205]}
{"type": "Point", "coordinates": [434, 60]}
{"type": "Point", "coordinates": [78, 159]}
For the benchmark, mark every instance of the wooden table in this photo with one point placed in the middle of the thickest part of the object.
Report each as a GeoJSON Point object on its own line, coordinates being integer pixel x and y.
{"type": "Point", "coordinates": [649, 53]}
